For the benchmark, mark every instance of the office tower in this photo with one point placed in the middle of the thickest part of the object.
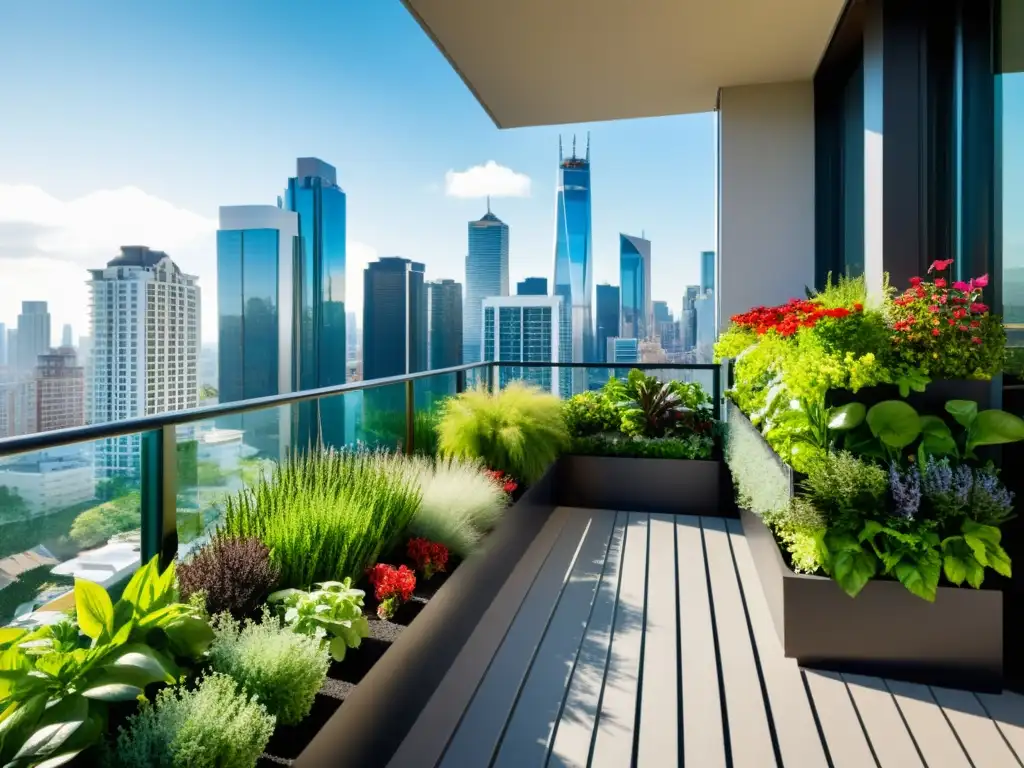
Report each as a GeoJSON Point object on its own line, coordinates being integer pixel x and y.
{"type": "Point", "coordinates": [394, 318]}
{"type": "Point", "coordinates": [3, 344]}
{"type": "Point", "coordinates": [12, 349]}
{"type": "Point", "coordinates": [33, 334]}
{"type": "Point", "coordinates": [607, 318]}
{"type": "Point", "coordinates": [60, 389]}
{"type": "Point", "coordinates": [523, 329]}
{"type": "Point", "coordinates": [705, 334]}
{"type": "Point", "coordinates": [18, 412]}
{"type": "Point", "coordinates": [486, 275]}
{"type": "Point", "coordinates": [351, 337]}
{"type": "Point", "coordinates": [662, 314]}
{"type": "Point", "coordinates": [635, 275]}
{"type": "Point", "coordinates": [707, 271]}
{"type": "Point", "coordinates": [145, 328]}
{"type": "Point", "coordinates": [444, 315]}
{"type": "Point", "coordinates": [688, 329]}
{"type": "Point", "coordinates": [623, 350]}
{"type": "Point", "coordinates": [257, 319]}
{"type": "Point", "coordinates": [315, 196]}
{"type": "Point", "coordinates": [532, 286]}
{"type": "Point", "coordinates": [574, 264]}
{"type": "Point", "coordinates": [66, 337]}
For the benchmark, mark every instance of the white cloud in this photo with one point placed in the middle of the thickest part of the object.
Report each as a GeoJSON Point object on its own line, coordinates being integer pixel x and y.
{"type": "Point", "coordinates": [487, 179]}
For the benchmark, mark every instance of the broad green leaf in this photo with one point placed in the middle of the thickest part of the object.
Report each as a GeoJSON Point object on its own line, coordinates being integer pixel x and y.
{"type": "Point", "coordinates": [995, 427]}
{"type": "Point", "coordinates": [189, 636]}
{"type": "Point", "coordinates": [939, 445]}
{"type": "Point", "coordinates": [894, 422]}
{"type": "Point", "coordinates": [999, 561]}
{"type": "Point", "coordinates": [846, 416]}
{"type": "Point", "coordinates": [920, 578]}
{"type": "Point", "coordinates": [870, 530]}
{"type": "Point", "coordinates": [19, 724]}
{"type": "Point", "coordinates": [283, 595]}
{"type": "Point", "coordinates": [975, 572]}
{"type": "Point", "coordinates": [94, 609]}
{"type": "Point", "coordinates": [978, 547]}
{"type": "Point", "coordinates": [955, 569]}
{"type": "Point", "coordinates": [80, 740]}
{"type": "Point", "coordinates": [933, 425]}
{"type": "Point", "coordinates": [163, 616]}
{"type": "Point", "coordinates": [853, 569]}
{"type": "Point", "coordinates": [112, 692]}
{"type": "Point", "coordinates": [989, 533]}
{"type": "Point", "coordinates": [964, 411]}
{"type": "Point", "coordinates": [11, 635]}
{"type": "Point", "coordinates": [55, 727]}
{"type": "Point", "coordinates": [144, 659]}
{"type": "Point", "coordinates": [133, 592]}
{"type": "Point", "coordinates": [338, 648]}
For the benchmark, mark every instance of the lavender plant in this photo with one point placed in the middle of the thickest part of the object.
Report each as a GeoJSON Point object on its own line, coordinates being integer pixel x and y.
{"type": "Point", "coordinates": [991, 501]}
{"type": "Point", "coordinates": [905, 491]}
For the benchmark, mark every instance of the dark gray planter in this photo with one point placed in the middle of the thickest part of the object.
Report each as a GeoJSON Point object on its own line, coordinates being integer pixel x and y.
{"type": "Point", "coordinates": [956, 641]}
{"type": "Point", "coordinates": [672, 486]}
{"type": "Point", "coordinates": [987, 394]}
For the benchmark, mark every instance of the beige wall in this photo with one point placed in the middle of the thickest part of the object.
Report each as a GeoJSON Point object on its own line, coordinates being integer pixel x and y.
{"type": "Point", "coordinates": [765, 195]}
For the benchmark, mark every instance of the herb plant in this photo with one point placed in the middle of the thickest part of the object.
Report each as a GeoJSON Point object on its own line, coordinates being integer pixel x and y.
{"type": "Point", "coordinates": [333, 613]}
{"type": "Point", "coordinates": [233, 574]}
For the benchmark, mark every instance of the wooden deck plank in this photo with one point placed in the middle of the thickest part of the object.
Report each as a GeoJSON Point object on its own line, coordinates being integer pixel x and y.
{"type": "Point", "coordinates": [750, 741]}
{"type": "Point", "coordinates": [795, 729]}
{"type": "Point", "coordinates": [978, 733]}
{"type": "Point", "coordinates": [613, 739]}
{"type": "Point", "coordinates": [658, 742]}
{"type": "Point", "coordinates": [528, 733]}
{"type": "Point", "coordinates": [703, 735]}
{"type": "Point", "coordinates": [477, 735]}
{"type": "Point", "coordinates": [844, 736]}
{"type": "Point", "coordinates": [894, 747]}
{"type": "Point", "coordinates": [928, 726]}
{"type": "Point", "coordinates": [426, 741]}
{"type": "Point", "coordinates": [1007, 712]}
{"type": "Point", "coordinates": [575, 729]}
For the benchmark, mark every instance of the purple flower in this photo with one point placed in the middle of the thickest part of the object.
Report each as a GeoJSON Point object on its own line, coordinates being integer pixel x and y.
{"type": "Point", "coordinates": [963, 481]}
{"type": "Point", "coordinates": [991, 501]}
{"type": "Point", "coordinates": [905, 488]}
{"type": "Point", "coordinates": [937, 479]}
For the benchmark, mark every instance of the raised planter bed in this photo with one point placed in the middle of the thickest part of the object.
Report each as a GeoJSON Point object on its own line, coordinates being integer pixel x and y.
{"type": "Point", "coordinates": [987, 394]}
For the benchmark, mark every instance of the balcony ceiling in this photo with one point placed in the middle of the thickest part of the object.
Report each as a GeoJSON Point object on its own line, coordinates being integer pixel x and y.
{"type": "Point", "coordinates": [548, 62]}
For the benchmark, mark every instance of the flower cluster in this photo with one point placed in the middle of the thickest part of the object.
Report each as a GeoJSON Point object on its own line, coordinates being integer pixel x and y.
{"type": "Point", "coordinates": [905, 488]}
{"type": "Point", "coordinates": [429, 556]}
{"type": "Point", "coordinates": [507, 482]}
{"type": "Point", "coordinates": [790, 317]}
{"type": "Point", "coordinates": [392, 587]}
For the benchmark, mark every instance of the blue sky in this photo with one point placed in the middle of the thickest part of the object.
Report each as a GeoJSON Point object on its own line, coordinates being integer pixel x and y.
{"type": "Point", "coordinates": [128, 120]}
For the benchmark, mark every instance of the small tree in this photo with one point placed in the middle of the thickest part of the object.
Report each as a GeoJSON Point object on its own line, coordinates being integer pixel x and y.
{"type": "Point", "coordinates": [12, 507]}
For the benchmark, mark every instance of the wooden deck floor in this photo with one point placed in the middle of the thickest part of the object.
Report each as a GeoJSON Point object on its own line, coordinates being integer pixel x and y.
{"type": "Point", "coordinates": [627, 639]}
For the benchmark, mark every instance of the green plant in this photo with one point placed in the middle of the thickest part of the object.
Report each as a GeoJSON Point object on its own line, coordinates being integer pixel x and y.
{"type": "Point", "coordinates": [326, 514]}
{"type": "Point", "coordinates": [214, 724]}
{"type": "Point", "coordinates": [846, 490]}
{"type": "Point", "coordinates": [648, 407]}
{"type": "Point", "coordinates": [693, 446]}
{"type": "Point", "coordinates": [590, 413]}
{"type": "Point", "coordinates": [233, 574]}
{"type": "Point", "coordinates": [283, 669]}
{"type": "Point", "coordinates": [54, 690]}
{"type": "Point", "coordinates": [333, 612]}
{"type": "Point", "coordinates": [519, 430]}
{"type": "Point", "coordinates": [96, 525]}
{"type": "Point", "coordinates": [761, 479]}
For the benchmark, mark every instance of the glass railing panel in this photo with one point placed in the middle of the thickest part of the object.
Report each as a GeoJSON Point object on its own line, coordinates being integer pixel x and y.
{"type": "Point", "coordinates": [378, 414]}
{"type": "Point", "coordinates": [430, 394]}
{"type": "Point", "coordinates": [476, 377]}
{"type": "Point", "coordinates": [65, 513]}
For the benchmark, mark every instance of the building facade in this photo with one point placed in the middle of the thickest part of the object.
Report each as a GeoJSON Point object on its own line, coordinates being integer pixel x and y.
{"type": "Point", "coordinates": [145, 354]}
{"type": "Point", "coordinates": [33, 335]}
{"type": "Point", "coordinates": [532, 286]}
{"type": "Point", "coordinates": [60, 390]}
{"type": "Point", "coordinates": [49, 482]}
{"type": "Point", "coordinates": [444, 317]}
{"type": "Point", "coordinates": [707, 271]}
{"type": "Point", "coordinates": [608, 316]}
{"type": "Point", "coordinates": [635, 277]}
{"type": "Point", "coordinates": [486, 276]}
{"type": "Point", "coordinates": [523, 329]}
{"type": "Point", "coordinates": [623, 350]}
{"type": "Point", "coordinates": [394, 318]}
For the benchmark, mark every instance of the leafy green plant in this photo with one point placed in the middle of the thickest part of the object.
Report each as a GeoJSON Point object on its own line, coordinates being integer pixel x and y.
{"type": "Point", "coordinates": [326, 514]}
{"type": "Point", "coordinates": [693, 446]}
{"type": "Point", "coordinates": [590, 413]}
{"type": "Point", "coordinates": [283, 669]}
{"type": "Point", "coordinates": [846, 490]}
{"type": "Point", "coordinates": [333, 613]}
{"type": "Point", "coordinates": [519, 430]}
{"type": "Point", "coordinates": [214, 724]}
{"type": "Point", "coordinates": [648, 407]}
{"type": "Point", "coordinates": [54, 690]}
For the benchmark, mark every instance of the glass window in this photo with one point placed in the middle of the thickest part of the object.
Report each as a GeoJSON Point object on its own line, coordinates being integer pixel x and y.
{"type": "Point", "coordinates": [853, 173]}
{"type": "Point", "coordinates": [1010, 166]}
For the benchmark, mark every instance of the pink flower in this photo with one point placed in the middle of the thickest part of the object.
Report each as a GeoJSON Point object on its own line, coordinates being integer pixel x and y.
{"type": "Point", "coordinates": [940, 265]}
{"type": "Point", "coordinates": [980, 282]}
{"type": "Point", "coordinates": [915, 281]}
{"type": "Point", "coordinates": [940, 282]}
{"type": "Point", "coordinates": [978, 308]}
{"type": "Point", "coordinates": [935, 331]}
{"type": "Point", "coordinates": [943, 298]}
{"type": "Point", "coordinates": [975, 339]}
{"type": "Point", "coordinates": [963, 328]}
{"type": "Point", "coordinates": [933, 308]}
{"type": "Point", "coordinates": [963, 287]}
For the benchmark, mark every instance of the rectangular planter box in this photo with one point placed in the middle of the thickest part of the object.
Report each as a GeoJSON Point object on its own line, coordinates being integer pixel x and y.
{"type": "Point", "coordinates": [672, 486]}
{"type": "Point", "coordinates": [987, 394]}
{"type": "Point", "coordinates": [957, 641]}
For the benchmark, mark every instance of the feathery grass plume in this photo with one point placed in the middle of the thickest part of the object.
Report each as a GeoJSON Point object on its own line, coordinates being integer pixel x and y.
{"type": "Point", "coordinates": [326, 515]}
{"type": "Point", "coordinates": [519, 430]}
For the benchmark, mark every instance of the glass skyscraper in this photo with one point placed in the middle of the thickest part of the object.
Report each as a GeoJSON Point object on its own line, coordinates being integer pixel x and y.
{"type": "Point", "coordinates": [315, 196]}
{"type": "Point", "coordinates": [394, 318]}
{"type": "Point", "coordinates": [635, 275]}
{"type": "Point", "coordinates": [574, 264]}
{"type": "Point", "coordinates": [256, 250]}
{"type": "Point", "coordinates": [532, 286]}
{"type": "Point", "coordinates": [707, 271]}
{"type": "Point", "coordinates": [523, 328]}
{"type": "Point", "coordinates": [444, 313]}
{"type": "Point", "coordinates": [607, 318]}
{"type": "Point", "coordinates": [486, 275]}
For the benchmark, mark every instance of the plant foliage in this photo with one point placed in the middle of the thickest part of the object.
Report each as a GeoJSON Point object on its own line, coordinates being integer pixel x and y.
{"type": "Point", "coordinates": [332, 613]}
{"type": "Point", "coordinates": [234, 575]}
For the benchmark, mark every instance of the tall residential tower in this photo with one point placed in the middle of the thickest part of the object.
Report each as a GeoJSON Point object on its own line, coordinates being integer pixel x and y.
{"type": "Point", "coordinates": [486, 275]}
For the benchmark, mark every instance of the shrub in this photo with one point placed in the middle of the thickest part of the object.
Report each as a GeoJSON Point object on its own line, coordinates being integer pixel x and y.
{"type": "Point", "coordinates": [96, 525]}
{"type": "Point", "coordinates": [693, 446]}
{"type": "Point", "coordinates": [333, 613]}
{"type": "Point", "coordinates": [651, 408]}
{"type": "Point", "coordinates": [213, 725]}
{"type": "Point", "coordinates": [589, 413]}
{"type": "Point", "coordinates": [459, 501]}
{"type": "Point", "coordinates": [519, 430]}
{"type": "Point", "coordinates": [234, 574]}
{"type": "Point", "coordinates": [283, 669]}
{"type": "Point", "coordinates": [326, 515]}
{"type": "Point", "coordinates": [847, 490]}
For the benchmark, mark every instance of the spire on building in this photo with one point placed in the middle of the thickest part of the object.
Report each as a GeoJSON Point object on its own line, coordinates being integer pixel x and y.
{"type": "Point", "coordinates": [588, 146]}
{"type": "Point", "coordinates": [574, 146]}
{"type": "Point", "coordinates": [559, 147]}
{"type": "Point", "coordinates": [488, 203]}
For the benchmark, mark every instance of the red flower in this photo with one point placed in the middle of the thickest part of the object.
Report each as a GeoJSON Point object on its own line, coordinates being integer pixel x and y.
{"type": "Point", "coordinates": [940, 265]}
{"type": "Point", "coordinates": [392, 587]}
{"type": "Point", "coordinates": [963, 328]}
{"type": "Point", "coordinates": [963, 287]}
{"type": "Point", "coordinates": [919, 290]}
{"type": "Point", "coordinates": [858, 307]}
{"type": "Point", "coordinates": [915, 281]}
{"type": "Point", "coordinates": [980, 282]}
{"type": "Point", "coordinates": [959, 313]}
{"type": "Point", "coordinates": [950, 320]}
{"type": "Point", "coordinates": [509, 483]}
{"type": "Point", "coordinates": [933, 308]}
{"type": "Point", "coordinates": [975, 339]}
{"type": "Point", "coordinates": [940, 282]}
{"type": "Point", "coordinates": [429, 556]}
{"type": "Point", "coordinates": [935, 331]}
{"type": "Point", "coordinates": [979, 308]}
{"type": "Point", "coordinates": [975, 324]}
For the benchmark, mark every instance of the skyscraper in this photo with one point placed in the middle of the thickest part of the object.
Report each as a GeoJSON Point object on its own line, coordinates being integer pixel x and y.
{"type": "Point", "coordinates": [707, 271]}
{"type": "Point", "coordinates": [257, 318]}
{"type": "Point", "coordinates": [145, 329]}
{"type": "Point", "coordinates": [394, 318]}
{"type": "Point", "coordinates": [315, 196]}
{"type": "Point", "coordinates": [635, 271]}
{"type": "Point", "coordinates": [523, 329]}
{"type": "Point", "coordinates": [3, 344]}
{"type": "Point", "coordinates": [574, 264]}
{"type": "Point", "coordinates": [33, 334]}
{"type": "Point", "coordinates": [66, 336]}
{"type": "Point", "coordinates": [486, 275]}
{"type": "Point", "coordinates": [60, 390]}
{"type": "Point", "coordinates": [532, 286]}
{"type": "Point", "coordinates": [607, 318]}
{"type": "Point", "coordinates": [12, 350]}
{"type": "Point", "coordinates": [444, 314]}
{"type": "Point", "coordinates": [351, 336]}
{"type": "Point", "coordinates": [705, 336]}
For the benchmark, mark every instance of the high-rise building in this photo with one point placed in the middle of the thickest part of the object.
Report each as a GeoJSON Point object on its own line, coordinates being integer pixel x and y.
{"type": "Point", "coordinates": [60, 390]}
{"type": "Point", "coordinates": [12, 350]}
{"type": "Point", "coordinates": [523, 329]}
{"type": "Point", "coordinates": [706, 334]}
{"type": "Point", "coordinates": [688, 329]}
{"type": "Point", "coordinates": [3, 344]}
{"type": "Point", "coordinates": [532, 286]}
{"type": "Point", "coordinates": [662, 314]}
{"type": "Point", "coordinates": [574, 264]}
{"type": "Point", "coordinates": [623, 350]}
{"type": "Point", "coordinates": [257, 319]}
{"type": "Point", "coordinates": [607, 318]}
{"type": "Point", "coordinates": [486, 275]}
{"type": "Point", "coordinates": [635, 275]}
{"type": "Point", "coordinates": [33, 334]}
{"type": "Point", "coordinates": [66, 336]}
{"type": "Point", "coordinates": [145, 329]}
{"type": "Point", "coordinates": [707, 271]}
{"type": "Point", "coordinates": [394, 318]}
{"type": "Point", "coordinates": [444, 315]}
{"type": "Point", "coordinates": [315, 196]}
{"type": "Point", "coordinates": [351, 337]}
{"type": "Point", "coordinates": [18, 411]}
